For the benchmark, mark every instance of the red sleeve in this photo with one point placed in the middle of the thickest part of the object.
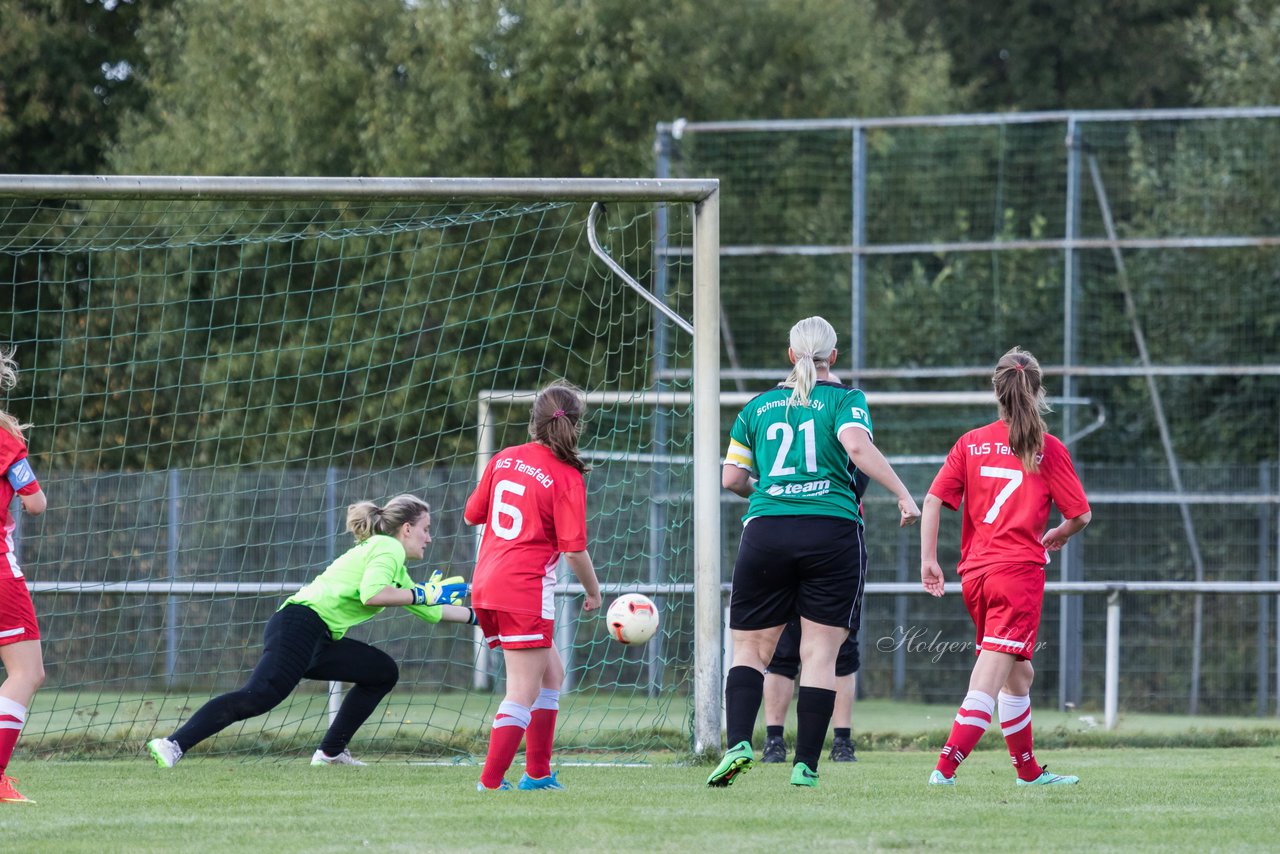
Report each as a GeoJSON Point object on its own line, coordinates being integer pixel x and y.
{"type": "Point", "coordinates": [13, 452]}
{"type": "Point", "coordinates": [477, 509]}
{"type": "Point", "coordinates": [570, 513]}
{"type": "Point", "coordinates": [948, 485]}
{"type": "Point", "coordinates": [1064, 484]}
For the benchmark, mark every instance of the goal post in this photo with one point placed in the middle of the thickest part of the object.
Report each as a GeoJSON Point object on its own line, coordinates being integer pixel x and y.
{"type": "Point", "coordinates": [216, 366]}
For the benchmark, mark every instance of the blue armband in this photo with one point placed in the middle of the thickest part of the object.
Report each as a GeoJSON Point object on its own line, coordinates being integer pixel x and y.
{"type": "Point", "coordinates": [20, 474]}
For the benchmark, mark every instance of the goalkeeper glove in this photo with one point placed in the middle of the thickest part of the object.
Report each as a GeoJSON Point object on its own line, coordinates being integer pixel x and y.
{"type": "Point", "coordinates": [440, 591]}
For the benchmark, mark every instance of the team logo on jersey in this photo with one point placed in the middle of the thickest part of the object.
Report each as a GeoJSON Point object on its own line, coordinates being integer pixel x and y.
{"type": "Point", "coordinates": [811, 487]}
{"type": "Point", "coordinates": [860, 415]}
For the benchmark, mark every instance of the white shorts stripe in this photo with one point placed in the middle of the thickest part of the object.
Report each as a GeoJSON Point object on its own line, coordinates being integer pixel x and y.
{"type": "Point", "coordinates": [1003, 642]}
{"type": "Point", "coordinates": [520, 638]}
{"type": "Point", "coordinates": [8, 633]}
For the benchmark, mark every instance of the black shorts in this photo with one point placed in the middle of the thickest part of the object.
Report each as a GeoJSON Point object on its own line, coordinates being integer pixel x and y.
{"type": "Point", "coordinates": [786, 657]}
{"type": "Point", "coordinates": [807, 566]}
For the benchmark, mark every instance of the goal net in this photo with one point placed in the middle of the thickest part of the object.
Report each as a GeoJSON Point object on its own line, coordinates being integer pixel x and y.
{"type": "Point", "coordinates": [216, 368]}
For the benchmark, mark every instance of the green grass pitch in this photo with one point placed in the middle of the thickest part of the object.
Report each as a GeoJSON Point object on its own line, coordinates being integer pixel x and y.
{"type": "Point", "coordinates": [1197, 799]}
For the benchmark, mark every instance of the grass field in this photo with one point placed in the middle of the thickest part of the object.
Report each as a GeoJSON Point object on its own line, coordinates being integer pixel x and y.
{"type": "Point", "coordinates": [1157, 782]}
{"type": "Point", "coordinates": [1129, 799]}
{"type": "Point", "coordinates": [456, 725]}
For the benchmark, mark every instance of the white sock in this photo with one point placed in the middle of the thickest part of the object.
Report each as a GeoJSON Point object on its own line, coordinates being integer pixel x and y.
{"type": "Point", "coordinates": [548, 698]}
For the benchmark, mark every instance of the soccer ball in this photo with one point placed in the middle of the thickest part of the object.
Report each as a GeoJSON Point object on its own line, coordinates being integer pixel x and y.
{"type": "Point", "coordinates": [632, 618]}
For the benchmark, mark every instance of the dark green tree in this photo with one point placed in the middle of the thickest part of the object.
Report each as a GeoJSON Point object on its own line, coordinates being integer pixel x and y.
{"type": "Point", "coordinates": [1091, 54]}
{"type": "Point", "coordinates": [68, 79]}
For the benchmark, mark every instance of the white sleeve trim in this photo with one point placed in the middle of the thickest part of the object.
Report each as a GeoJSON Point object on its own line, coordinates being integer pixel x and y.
{"type": "Point", "coordinates": [849, 424]}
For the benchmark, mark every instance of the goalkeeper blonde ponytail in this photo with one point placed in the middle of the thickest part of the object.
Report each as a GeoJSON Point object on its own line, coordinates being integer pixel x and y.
{"type": "Point", "coordinates": [366, 518]}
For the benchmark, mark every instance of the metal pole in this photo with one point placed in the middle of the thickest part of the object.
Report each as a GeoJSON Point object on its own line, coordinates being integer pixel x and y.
{"type": "Point", "coordinates": [480, 676]}
{"type": "Point", "coordinates": [1166, 439]}
{"type": "Point", "coordinates": [706, 474]}
{"type": "Point", "coordinates": [1111, 694]}
{"type": "Point", "coordinates": [1070, 608]}
{"type": "Point", "coordinates": [1264, 605]}
{"type": "Point", "coordinates": [330, 553]}
{"type": "Point", "coordinates": [566, 627]}
{"type": "Point", "coordinates": [900, 618]}
{"type": "Point", "coordinates": [659, 475]}
{"type": "Point", "coordinates": [354, 189]}
{"type": "Point", "coordinates": [858, 273]}
{"type": "Point", "coordinates": [171, 564]}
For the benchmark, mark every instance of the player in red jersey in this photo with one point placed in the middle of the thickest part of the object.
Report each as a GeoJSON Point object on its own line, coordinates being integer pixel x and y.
{"type": "Point", "coordinates": [19, 634]}
{"type": "Point", "coordinates": [1006, 474]}
{"type": "Point", "coordinates": [532, 501]}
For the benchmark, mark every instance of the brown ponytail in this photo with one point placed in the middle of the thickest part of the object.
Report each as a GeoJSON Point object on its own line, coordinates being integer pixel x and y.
{"type": "Point", "coordinates": [556, 421]}
{"type": "Point", "coordinates": [1020, 396]}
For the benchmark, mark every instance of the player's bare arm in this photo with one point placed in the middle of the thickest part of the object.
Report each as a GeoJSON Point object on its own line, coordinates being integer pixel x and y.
{"type": "Point", "coordinates": [1056, 538]}
{"type": "Point", "coordinates": [867, 457]}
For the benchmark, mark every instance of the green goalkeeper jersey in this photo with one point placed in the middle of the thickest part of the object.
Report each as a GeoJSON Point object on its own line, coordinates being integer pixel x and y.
{"type": "Point", "coordinates": [795, 452]}
{"type": "Point", "coordinates": [338, 594]}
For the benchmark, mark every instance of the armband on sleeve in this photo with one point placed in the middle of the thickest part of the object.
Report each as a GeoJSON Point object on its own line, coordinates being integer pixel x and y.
{"type": "Point", "coordinates": [20, 474]}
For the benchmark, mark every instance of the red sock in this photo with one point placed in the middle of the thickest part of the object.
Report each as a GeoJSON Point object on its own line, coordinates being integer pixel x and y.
{"type": "Point", "coordinates": [12, 716]}
{"type": "Point", "coordinates": [971, 722]}
{"type": "Point", "coordinates": [508, 729]}
{"type": "Point", "coordinates": [540, 736]}
{"type": "Point", "coordinates": [1015, 723]}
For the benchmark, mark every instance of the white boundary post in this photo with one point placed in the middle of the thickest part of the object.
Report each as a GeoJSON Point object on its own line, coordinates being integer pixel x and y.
{"type": "Point", "coordinates": [1111, 690]}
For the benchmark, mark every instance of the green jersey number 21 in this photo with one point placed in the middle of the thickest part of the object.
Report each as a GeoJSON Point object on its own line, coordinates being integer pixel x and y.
{"type": "Point", "coordinates": [783, 430]}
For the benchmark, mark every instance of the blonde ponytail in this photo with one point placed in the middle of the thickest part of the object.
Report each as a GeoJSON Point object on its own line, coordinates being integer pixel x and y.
{"type": "Point", "coordinates": [812, 342]}
{"type": "Point", "coordinates": [9, 379]}
{"type": "Point", "coordinates": [365, 518]}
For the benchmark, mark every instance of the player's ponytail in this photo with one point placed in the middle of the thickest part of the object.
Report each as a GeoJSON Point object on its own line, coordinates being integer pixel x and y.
{"type": "Point", "coordinates": [556, 421]}
{"type": "Point", "coordinates": [812, 342]}
{"type": "Point", "coordinates": [365, 518]}
{"type": "Point", "coordinates": [1019, 388]}
{"type": "Point", "coordinates": [9, 379]}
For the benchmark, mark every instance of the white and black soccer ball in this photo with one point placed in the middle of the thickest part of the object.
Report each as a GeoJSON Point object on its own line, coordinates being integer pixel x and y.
{"type": "Point", "coordinates": [632, 618]}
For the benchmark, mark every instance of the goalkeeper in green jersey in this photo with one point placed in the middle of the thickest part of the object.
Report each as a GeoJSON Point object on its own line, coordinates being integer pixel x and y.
{"type": "Point", "coordinates": [305, 638]}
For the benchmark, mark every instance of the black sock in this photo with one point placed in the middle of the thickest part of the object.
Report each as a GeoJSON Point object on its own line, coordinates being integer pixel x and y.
{"type": "Point", "coordinates": [813, 716]}
{"type": "Point", "coordinates": [771, 731]}
{"type": "Point", "coordinates": [844, 732]}
{"type": "Point", "coordinates": [743, 693]}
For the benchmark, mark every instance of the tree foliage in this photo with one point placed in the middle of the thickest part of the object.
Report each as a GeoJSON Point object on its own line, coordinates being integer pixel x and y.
{"type": "Point", "coordinates": [1236, 55]}
{"type": "Point", "coordinates": [67, 81]}
{"type": "Point", "coordinates": [216, 353]}
{"type": "Point", "coordinates": [530, 88]}
{"type": "Point", "coordinates": [1087, 54]}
